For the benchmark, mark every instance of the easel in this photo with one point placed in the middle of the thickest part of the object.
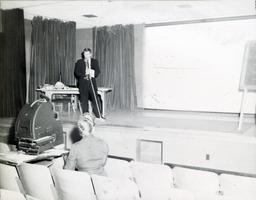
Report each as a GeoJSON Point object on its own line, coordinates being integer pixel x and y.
{"type": "Point", "coordinates": [247, 81]}
{"type": "Point", "coordinates": [242, 110]}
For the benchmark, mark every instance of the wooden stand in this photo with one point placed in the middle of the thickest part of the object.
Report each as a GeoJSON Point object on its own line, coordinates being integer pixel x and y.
{"type": "Point", "coordinates": [242, 110]}
{"type": "Point", "coordinates": [247, 81]}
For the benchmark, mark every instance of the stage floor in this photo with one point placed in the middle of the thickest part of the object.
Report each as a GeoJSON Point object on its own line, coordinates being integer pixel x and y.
{"type": "Point", "coordinates": [162, 119]}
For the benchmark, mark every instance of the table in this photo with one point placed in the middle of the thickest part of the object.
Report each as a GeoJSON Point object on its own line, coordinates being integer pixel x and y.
{"type": "Point", "coordinates": [50, 90]}
{"type": "Point", "coordinates": [16, 158]}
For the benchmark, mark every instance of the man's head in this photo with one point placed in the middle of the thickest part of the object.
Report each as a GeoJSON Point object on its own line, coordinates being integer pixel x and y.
{"type": "Point", "coordinates": [85, 124]}
{"type": "Point", "coordinates": [87, 53]}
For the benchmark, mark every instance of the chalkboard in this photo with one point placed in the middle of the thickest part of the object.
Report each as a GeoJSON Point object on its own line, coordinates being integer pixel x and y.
{"type": "Point", "coordinates": [248, 75]}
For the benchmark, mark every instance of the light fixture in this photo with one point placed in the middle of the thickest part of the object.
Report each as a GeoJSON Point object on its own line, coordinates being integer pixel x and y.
{"type": "Point", "coordinates": [90, 16]}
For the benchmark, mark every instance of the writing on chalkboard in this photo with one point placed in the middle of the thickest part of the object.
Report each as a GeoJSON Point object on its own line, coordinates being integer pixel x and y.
{"type": "Point", "coordinates": [248, 75]}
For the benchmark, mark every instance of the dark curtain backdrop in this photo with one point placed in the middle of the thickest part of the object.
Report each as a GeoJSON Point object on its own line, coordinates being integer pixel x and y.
{"type": "Point", "coordinates": [114, 49]}
{"type": "Point", "coordinates": [13, 65]}
{"type": "Point", "coordinates": [53, 52]}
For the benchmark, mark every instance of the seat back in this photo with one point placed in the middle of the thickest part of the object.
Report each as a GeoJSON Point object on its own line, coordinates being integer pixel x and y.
{"type": "Point", "coordinates": [202, 184]}
{"type": "Point", "coordinates": [154, 180]}
{"type": "Point", "coordinates": [57, 163]}
{"type": "Point", "coordinates": [107, 188]}
{"type": "Point", "coordinates": [9, 178]}
{"type": "Point", "coordinates": [4, 147]}
{"type": "Point", "coordinates": [73, 185]}
{"type": "Point", "coordinates": [116, 168]}
{"type": "Point", "coordinates": [181, 194]}
{"type": "Point", "coordinates": [220, 197]}
{"type": "Point", "coordinates": [11, 195]}
{"type": "Point", "coordinates": [238, 186]}
{"type": "Point", "coordinates": [37, 181]}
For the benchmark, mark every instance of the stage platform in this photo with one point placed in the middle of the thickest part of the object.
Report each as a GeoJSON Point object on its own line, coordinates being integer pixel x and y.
{"type": "Point", "coordinates": [208, 141]}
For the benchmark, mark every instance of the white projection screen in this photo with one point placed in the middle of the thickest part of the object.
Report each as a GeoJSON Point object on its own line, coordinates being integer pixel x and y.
{"type": "Point", "coordinates": [196, 67]}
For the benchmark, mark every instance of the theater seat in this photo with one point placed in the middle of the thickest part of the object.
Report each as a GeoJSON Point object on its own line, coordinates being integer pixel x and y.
{"type": "Point", "coordinates": [221, 197]}
{"type": "Point", "coordinates": [37, 181]}
{"type": "Point", "coordinates": [11, 195]}
{"type": "Point", "coordinates": [116, 168]}
{"type": "Point", "coordinates": [203, 185]}
{"type": "Point", "coordinates": [107, 188]}
{"type": "Point", "coordinates": [181, 194]}
{"type": "Point", "coordinates": [73, 185]}
{"type": "Point", "coordinates": [9, 178]}
{"type": "Point", "coordinates": [154, 180]}
{"type": "Point", "coordinates": [238, 186]}
{"type": "Point", "coordinates": [57, 163]}
{"type": "Point", "coordinates": [4, 147]}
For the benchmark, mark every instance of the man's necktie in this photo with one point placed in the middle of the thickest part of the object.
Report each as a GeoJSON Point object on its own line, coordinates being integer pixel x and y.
{"type": "Point", "coordinates": [86, 69]}
{"type": "Point", "coordinates": [87, 65]}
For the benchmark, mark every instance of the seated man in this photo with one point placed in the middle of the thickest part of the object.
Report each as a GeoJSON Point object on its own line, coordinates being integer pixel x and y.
{"type": "Point", "coordinates": [90, 153]}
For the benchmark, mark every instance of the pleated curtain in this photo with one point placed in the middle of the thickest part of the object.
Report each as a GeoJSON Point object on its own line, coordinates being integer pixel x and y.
{"type": "Point", "coordinates": [12, 63]}
{"type": "Point", "coordinates": [114, 49]}
{"type": "Point", "coordinates": [53, 51]}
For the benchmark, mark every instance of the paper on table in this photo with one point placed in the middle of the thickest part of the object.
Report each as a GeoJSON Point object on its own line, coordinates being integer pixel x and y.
{"type": "Point", "coordinates": [16, 157]}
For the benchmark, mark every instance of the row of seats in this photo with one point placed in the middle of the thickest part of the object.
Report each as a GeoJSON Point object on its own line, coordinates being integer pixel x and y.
{"type": "Point", "coordinates": [209, 185]}
{"type": "Point", "coordinates": [203, 184]}
{"type": "Point", "coordinates": [55, 183]}
{"type": "Point", "coordinates": [126, 180]}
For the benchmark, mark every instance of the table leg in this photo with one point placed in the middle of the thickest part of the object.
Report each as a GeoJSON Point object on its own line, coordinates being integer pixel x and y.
{"type": "Point", "coordinates": [74, 102]}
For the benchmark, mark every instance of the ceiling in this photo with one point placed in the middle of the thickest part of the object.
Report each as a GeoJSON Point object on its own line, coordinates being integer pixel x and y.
{"type": "Point", "coordinates": [131, 12]}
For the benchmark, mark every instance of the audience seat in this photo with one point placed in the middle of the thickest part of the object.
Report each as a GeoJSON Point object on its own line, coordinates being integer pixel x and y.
{"type": "Point", "coordinates": [11, 195]}
{"type": "Point", "coordinates": [117, 168]}
{"type": "Point", "coordinates": [4, 147]}
{"type": "Point", "coordinates": [204, 185]}
{"type": "Point", "coordinates": [73, 185]}
{"type": "Point", "coordinates": [221, 197]}
{"type": "Point", "coordinates": [181, 194]}
{"type": "Point", "coordinates": [37, 181]}
{"type": "Point", "coordinates": [154, 180]}
{"type": "Point", "coordinates": [238, 186]}
{"type": "Point", "coordinates": [57, 163]}
{"type": "Point", "coordinates": [107, 188]}
{"type": "Point", "coordinates": [9, 178]}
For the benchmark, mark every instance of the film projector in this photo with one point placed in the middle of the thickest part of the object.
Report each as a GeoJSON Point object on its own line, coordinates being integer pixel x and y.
{"type": "Point", "coordinates": [38, 128]}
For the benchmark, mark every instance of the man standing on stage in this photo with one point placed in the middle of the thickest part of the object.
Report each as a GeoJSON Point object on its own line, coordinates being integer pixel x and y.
{"type": "Point", "coordinates": [86, 70]}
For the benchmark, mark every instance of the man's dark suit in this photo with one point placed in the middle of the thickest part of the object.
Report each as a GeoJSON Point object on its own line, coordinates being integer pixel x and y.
{"type": "Point", "coordinates": [84, 85]}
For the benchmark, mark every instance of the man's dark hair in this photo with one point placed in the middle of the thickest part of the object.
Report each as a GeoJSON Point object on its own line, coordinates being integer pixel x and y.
{"type": "Point", "coordinates": [86, 49]}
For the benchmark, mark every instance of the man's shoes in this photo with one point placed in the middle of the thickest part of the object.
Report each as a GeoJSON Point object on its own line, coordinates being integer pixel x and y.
{"type": "Point", "coordinates": [100, 120]}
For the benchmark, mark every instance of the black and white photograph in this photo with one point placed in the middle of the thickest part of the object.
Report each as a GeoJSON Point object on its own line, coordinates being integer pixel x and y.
{"type": "Point", "coordinates": [128, 100]}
